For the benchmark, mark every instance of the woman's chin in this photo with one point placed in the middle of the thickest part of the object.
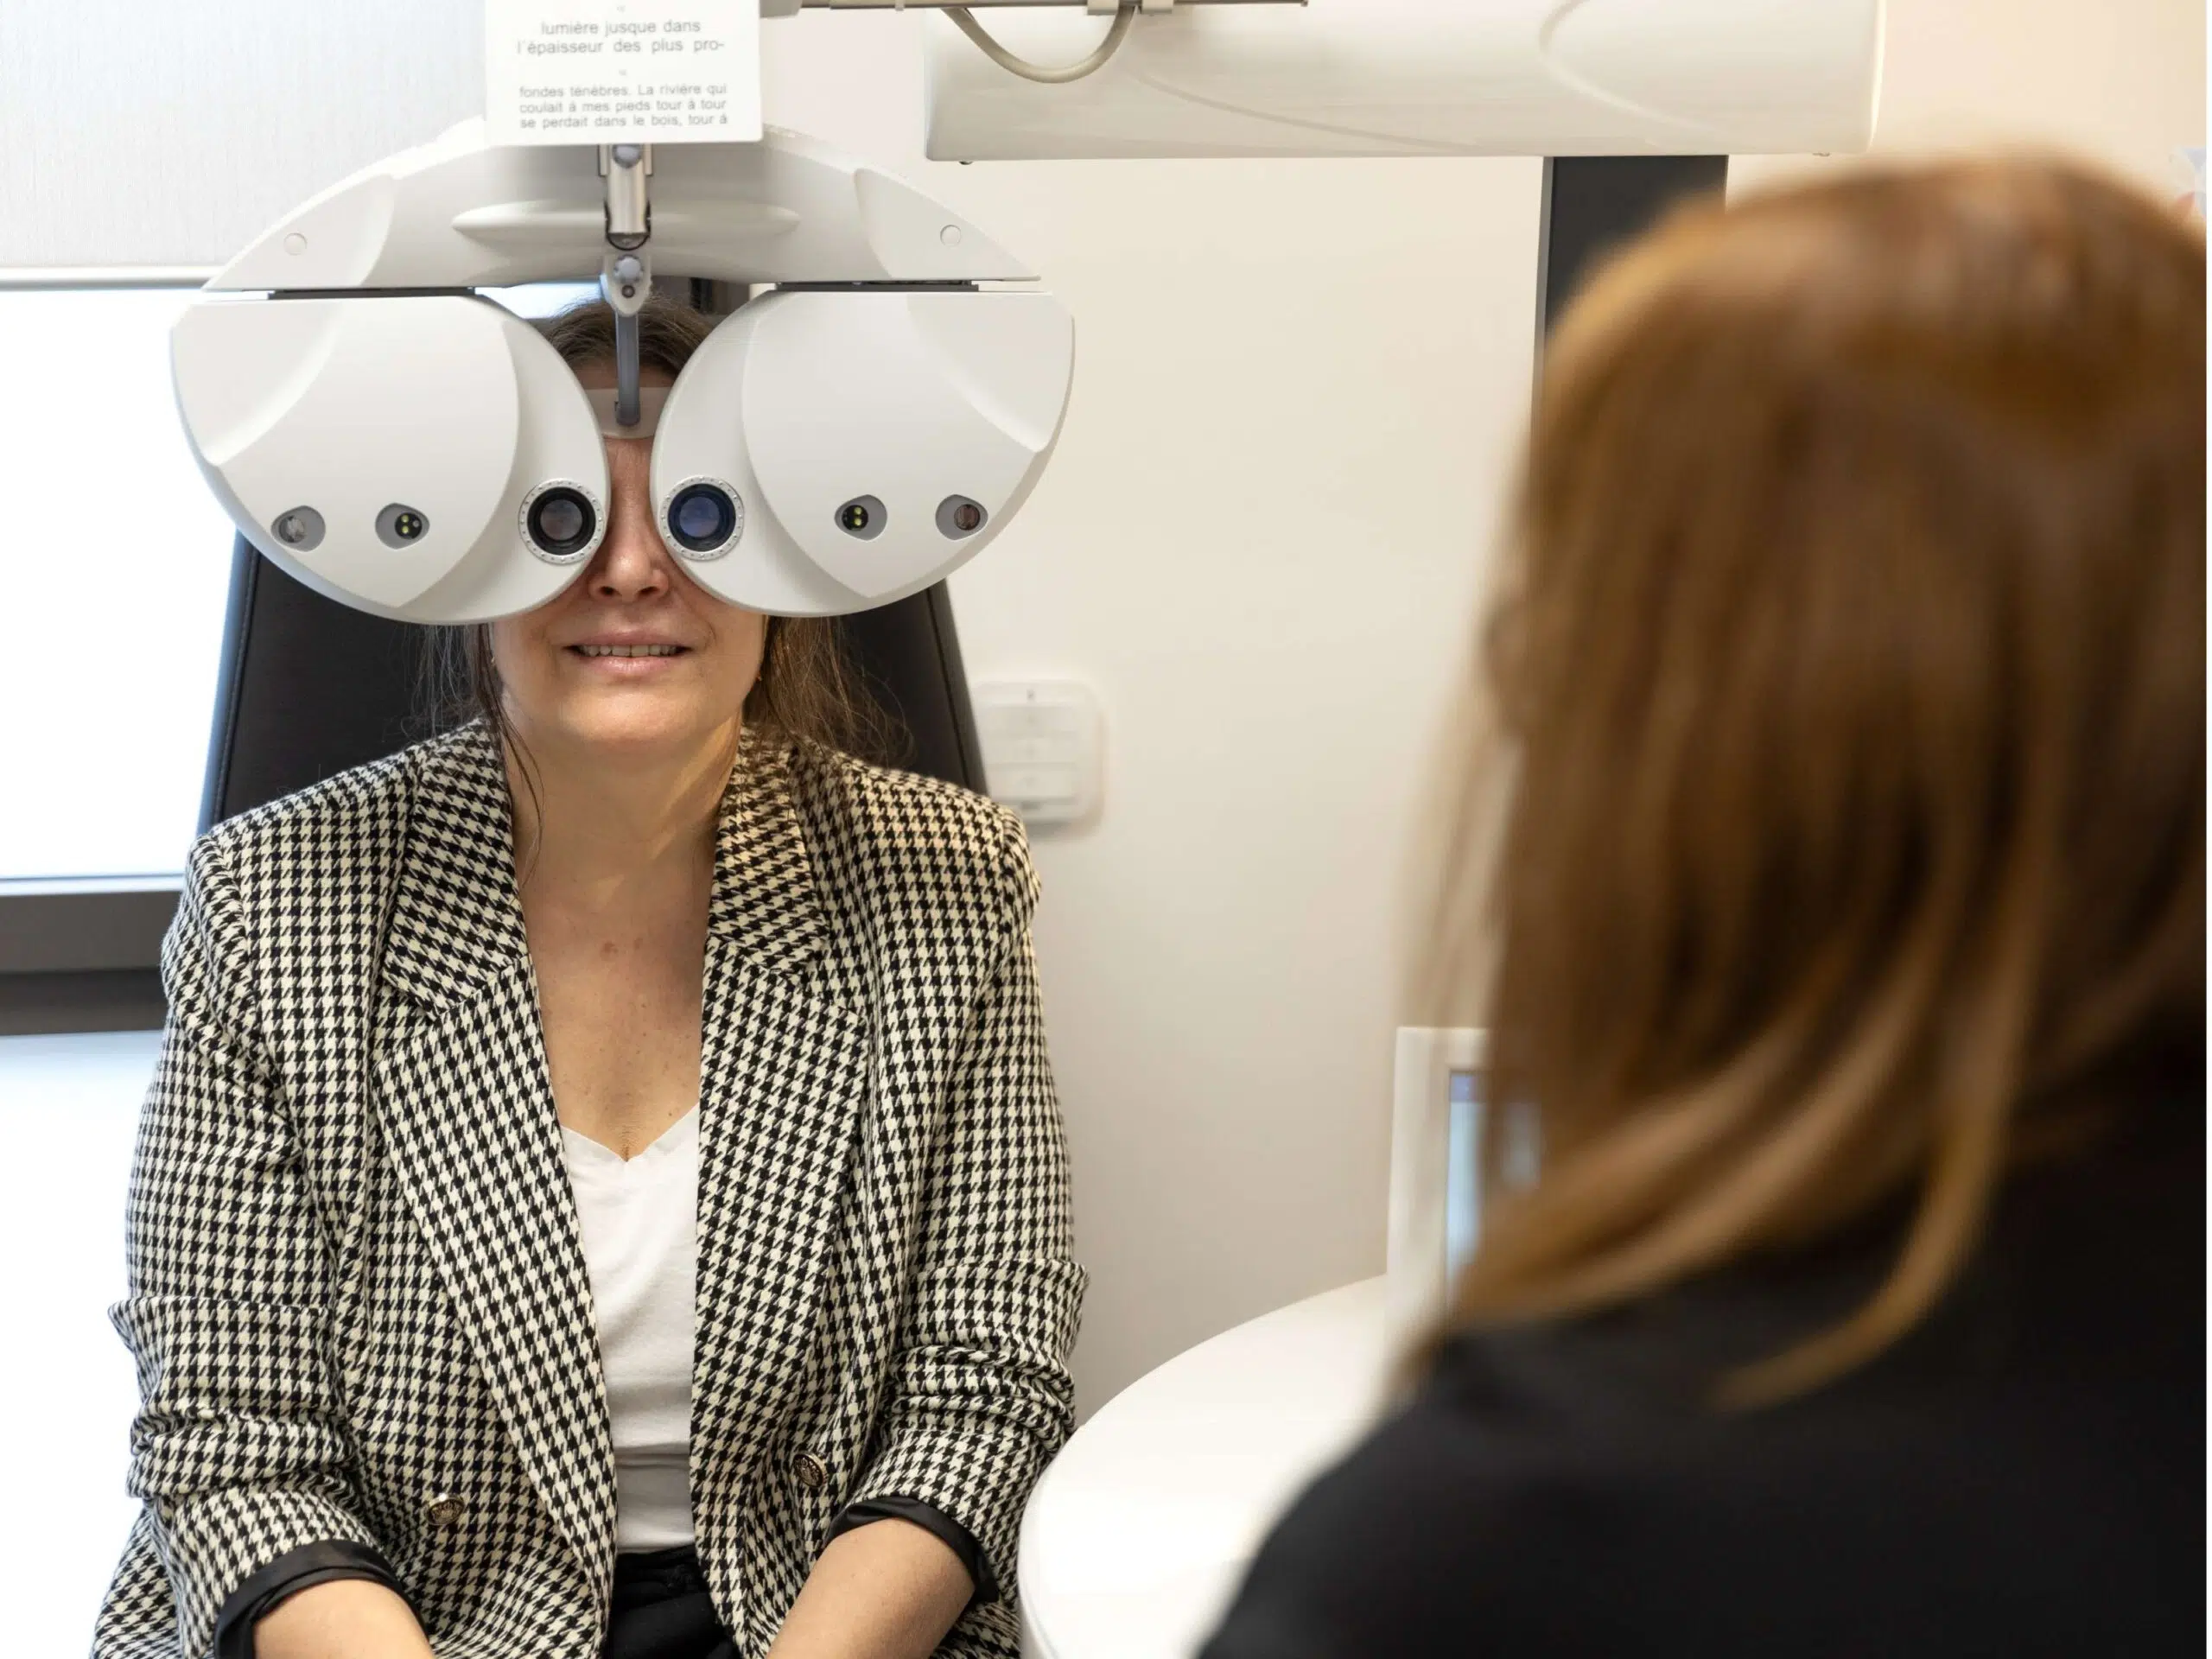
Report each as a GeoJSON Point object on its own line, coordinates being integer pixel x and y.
{"type": "Point", "coordinates": [639, 728]}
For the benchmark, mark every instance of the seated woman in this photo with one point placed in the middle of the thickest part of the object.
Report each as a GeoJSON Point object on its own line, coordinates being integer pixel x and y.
{"type": "Point", "coordinates": [1846, 917]}
{"type": "Point", "coordinates": [602, 1191]}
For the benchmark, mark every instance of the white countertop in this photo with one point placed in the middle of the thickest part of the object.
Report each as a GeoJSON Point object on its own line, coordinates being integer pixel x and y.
{"type": "Point", "coordinates": [1140, 1532]}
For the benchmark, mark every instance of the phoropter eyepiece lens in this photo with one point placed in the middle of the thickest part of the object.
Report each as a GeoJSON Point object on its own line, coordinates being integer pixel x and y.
{"type": "Point", "coordinates": [562, 522]}
{"type": "Point", "coordinates": [702, 517]}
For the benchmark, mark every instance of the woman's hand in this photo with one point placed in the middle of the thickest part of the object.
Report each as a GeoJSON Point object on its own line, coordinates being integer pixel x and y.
{"type": "Point", "coordinates": [347, 1619]}
{"type": "Point", "coordinates": [889, 1589]}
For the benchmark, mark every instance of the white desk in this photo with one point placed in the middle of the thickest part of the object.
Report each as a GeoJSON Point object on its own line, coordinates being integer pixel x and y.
{"type": "Point", "coordinates": [1141, 1530]}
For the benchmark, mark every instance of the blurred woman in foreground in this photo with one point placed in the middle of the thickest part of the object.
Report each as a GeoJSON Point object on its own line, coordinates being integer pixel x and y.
{"type": "Point", "coordinates": [1843, 917]}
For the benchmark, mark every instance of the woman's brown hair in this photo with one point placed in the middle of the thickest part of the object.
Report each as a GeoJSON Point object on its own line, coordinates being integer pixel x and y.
{"type": "Point", "coordinates": [807, 688]}
{"type": "Point", "coordinates": [1840, 830]}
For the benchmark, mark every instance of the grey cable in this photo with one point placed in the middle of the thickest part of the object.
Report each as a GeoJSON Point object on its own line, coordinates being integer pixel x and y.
{"type": "Point", "coordinates": [1004, 59]}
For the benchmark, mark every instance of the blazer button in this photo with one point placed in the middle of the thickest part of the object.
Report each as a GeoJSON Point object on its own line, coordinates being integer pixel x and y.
{"type": "Point", "coordinates": [444, 1511]}
{"type": "Point", "coordinates": [811, 1471]}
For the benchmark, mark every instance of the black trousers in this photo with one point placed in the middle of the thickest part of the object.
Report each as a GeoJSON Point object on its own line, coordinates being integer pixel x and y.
{"type": "Point", "coordinates": [662, 1610]}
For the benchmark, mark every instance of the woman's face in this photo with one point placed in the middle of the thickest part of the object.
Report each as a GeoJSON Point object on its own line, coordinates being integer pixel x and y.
{"type": "Point", "coordinates": [567, 691]}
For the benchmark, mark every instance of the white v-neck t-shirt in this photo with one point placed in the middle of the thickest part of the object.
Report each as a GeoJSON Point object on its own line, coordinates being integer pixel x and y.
{"type": "Point", "coordinates": [639, 1221]}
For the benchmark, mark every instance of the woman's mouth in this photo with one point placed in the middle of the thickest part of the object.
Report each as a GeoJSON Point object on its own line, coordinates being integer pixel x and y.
{"type": "Point", "coordinates": [628, 650]}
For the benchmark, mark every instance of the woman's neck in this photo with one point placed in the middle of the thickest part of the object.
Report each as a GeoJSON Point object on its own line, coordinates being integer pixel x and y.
{"type": "Point", "coordinates": [602, 831]}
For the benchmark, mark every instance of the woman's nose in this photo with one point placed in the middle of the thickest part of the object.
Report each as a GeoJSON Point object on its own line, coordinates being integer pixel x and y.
{"type": "Point", "coordinates": [632, 562]}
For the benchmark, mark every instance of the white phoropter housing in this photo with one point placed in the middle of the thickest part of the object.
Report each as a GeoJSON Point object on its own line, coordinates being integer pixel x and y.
{"type": "Point", "coordinates": [408, 447]}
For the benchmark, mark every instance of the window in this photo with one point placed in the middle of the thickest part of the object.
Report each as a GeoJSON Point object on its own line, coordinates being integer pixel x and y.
{"type": "Point", "coordinates": [116, 561]}
{"type": "Point", "coordinates": [117, 565]}
{"type": "Point", "coordinates": [538, 300]}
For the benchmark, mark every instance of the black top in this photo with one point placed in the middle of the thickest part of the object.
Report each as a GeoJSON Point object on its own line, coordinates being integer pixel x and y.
{"type": "Point", "coordinates": [2024, 1475]}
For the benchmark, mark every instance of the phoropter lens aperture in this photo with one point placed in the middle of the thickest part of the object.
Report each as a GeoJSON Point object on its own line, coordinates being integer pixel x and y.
{"type": "Point", "coordinates": [562, 522]}
{"type": "Point", "coordinates": [702, 517]}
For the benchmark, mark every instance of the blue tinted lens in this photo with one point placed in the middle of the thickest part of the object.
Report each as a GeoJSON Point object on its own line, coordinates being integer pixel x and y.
{"type": "Point", "coordinates": [700, 517]}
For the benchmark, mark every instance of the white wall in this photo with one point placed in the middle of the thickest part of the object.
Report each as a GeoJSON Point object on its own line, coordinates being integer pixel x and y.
{"type": "Point", "coordinates": [1299, 386]}
{"type": "Point", "coordinates": [2119, 80]}
{"type": "Point", "coordinates": [1295, 385]}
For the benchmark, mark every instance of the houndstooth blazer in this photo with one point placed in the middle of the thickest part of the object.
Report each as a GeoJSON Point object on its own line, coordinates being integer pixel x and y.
{"type": "Point", "coordinates": [357, 1300]}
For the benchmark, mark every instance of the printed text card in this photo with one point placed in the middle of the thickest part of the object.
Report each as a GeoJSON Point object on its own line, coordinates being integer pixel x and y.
{"type": "Point", "coordinates": [608, 72]}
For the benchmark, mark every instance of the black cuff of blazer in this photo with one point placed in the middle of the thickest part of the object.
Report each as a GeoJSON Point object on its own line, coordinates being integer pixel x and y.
{"type": "Point", "coordinates": [285, 1577]}
{"type": "Point", "coordinates": [955, 1537]}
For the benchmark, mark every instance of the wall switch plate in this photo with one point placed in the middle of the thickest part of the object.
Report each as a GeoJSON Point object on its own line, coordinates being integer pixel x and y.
{"type": "Point", "coordinates": [1043, 748]}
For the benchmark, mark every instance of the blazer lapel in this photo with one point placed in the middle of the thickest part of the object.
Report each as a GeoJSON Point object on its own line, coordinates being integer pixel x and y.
{"type": "Point", "coordinates": [466, 1106]}
{"type": "Point", "coordinates": [468, 1110]}
{"type": "Point", "coordinates": [783, 1080]}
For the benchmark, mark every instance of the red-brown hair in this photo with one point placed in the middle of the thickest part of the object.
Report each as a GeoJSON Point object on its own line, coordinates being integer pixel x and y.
{"type": "Point", "coordinates": [1848, 666]}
